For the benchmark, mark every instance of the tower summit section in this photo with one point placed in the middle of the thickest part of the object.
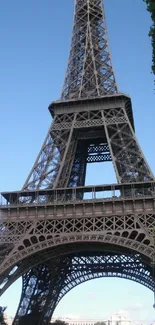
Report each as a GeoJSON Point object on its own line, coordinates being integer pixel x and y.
{"type": "Point", "coordinates": [89, 72]}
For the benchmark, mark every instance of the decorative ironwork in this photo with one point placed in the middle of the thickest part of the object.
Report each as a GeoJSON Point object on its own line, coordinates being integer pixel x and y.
{"type": "Point", "coordinates": [66, 272]}
{"type": "Point", "coordinates": [56, 232]}
{"type": "Point", "coordinates": [66, 150]}
{"type": "Point", "coordinates": [89, 72]}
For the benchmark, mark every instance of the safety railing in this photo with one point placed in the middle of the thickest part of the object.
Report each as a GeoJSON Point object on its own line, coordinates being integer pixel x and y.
{"type": "Point", "coordinates": [76, 194]}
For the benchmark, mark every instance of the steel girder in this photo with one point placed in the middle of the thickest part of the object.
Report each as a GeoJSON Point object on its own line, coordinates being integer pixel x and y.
{"type": "Point", "coordinates": [29, 229]}
{"type": "Point", "coordinates": [34, 233]}
{"type": "Point", "coordinates": [75, 137]}
{"type": "Point", "coordinates": [41, 288]}
{"type": "Point", "coordinates": [89, 72]}
{"type": "Point", "coordinates": [47, 163]}
{"type": "Point", "coordinates": [45, 285]}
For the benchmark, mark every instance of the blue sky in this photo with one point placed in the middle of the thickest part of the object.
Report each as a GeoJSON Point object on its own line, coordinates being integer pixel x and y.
{"type": "Point", "coordinates": [34, 46]}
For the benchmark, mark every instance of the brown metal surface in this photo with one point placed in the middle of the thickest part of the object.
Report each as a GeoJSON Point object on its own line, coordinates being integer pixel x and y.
{"type": "Point", "coordinates": [57, 233]}
{"type": "Point", "coordinates": [89, 72]}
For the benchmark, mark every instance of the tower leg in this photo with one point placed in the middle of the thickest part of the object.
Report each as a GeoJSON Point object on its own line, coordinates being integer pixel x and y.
{"type": "Point", "coordinates": [40, 292]}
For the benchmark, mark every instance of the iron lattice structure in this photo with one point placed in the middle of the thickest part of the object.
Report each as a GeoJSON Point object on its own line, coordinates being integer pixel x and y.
{"type": "Point", "coordinates": [89, 72]}
{"type": "Point", "coordinates": [56, 232]}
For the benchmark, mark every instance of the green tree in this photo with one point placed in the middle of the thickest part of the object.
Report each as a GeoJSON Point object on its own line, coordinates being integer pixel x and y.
{"type": "Point", "coordinates": [59, 322]}
{"type": "Point", "coordinates": [2, 318]}
{"type": "Point", "coordinates": [151, 8]}
{"type": "Point", "coordinates": [100, 323]}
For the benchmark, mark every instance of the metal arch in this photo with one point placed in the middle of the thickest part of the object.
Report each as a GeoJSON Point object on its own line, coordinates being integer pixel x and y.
{"type": "Point", "coordinates": [89, 72]}
{"type": "Point", "coordinates": [63, 273]}
{"type": "Point", "coordinates": [74, 249]}
{"type": "Point", "coordinates": [123, 221]}
{"type": "Point", "coordinates": [88, 267]}
{"type": "Point", "coordinates": [141, 243]}
{"type": "Point", "coordinates": [34, 228]}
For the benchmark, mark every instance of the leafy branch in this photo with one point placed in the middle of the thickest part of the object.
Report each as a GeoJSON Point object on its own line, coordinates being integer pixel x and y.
{"type": "Point", "coordinates": [2, 317]}
{"type": "Point", "coordinates": [151, 8]}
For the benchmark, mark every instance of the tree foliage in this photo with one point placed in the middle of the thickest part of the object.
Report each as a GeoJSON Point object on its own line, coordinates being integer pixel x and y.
{"type": "Point", "coordinates": [2, 318]}
{"type": "Point", "coordinates": [59, 322]}
{"type": "Point", "coordinates": [151, 8]}
{"type": "Point", "coordinates": [100, 323]}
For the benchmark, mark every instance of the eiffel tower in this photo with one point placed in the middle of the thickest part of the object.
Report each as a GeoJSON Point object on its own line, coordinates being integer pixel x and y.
{"type": "Point", "coordinates": [56, 232]}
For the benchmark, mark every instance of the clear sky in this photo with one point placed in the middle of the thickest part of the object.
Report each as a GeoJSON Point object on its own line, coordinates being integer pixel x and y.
{"type": "Point", "coordinates": [34, 45]}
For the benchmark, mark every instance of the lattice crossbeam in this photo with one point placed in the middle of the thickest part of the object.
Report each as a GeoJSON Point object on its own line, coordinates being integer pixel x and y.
{"type": "Point", "coordinates": [73, 140]}
{"type": "Point", "coordinates": [123, 222]}
{"type": "Point", "coordinates": [49, 231]}
{"type": "Point", "coordinates": [63, 273]}
{"type": "Point", "coordinates": [89, 72]}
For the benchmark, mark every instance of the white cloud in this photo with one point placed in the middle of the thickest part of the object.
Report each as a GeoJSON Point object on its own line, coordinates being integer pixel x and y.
{"type": "Point", "coordinates": [124, 312]}
{"type": "Point", "coordinates": [135, 307]}
{"type": "Point", "coordinates": [72, 316]}
{"type": "Point", "coordinates": [134, 313]}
